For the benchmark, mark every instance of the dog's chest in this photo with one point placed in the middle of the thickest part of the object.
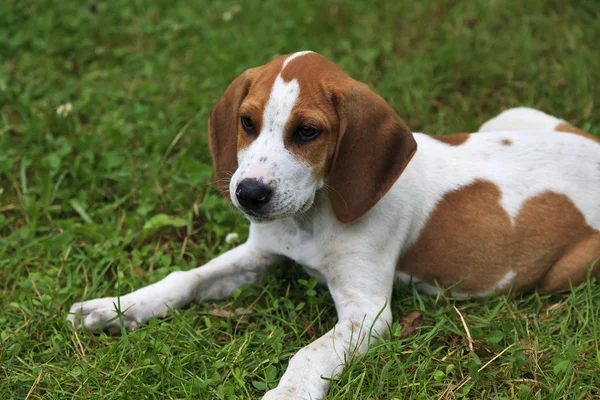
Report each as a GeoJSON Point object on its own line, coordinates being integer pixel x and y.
{"type": "Point", "coordinates": [301, 243]}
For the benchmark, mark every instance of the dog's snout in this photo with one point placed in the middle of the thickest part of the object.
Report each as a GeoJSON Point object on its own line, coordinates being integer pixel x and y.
{"type": "Point", "coordinates": [253, 194]}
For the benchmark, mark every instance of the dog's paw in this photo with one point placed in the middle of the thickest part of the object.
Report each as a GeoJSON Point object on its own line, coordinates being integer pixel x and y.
{"type": "Point", "coordinates": [101, 314]}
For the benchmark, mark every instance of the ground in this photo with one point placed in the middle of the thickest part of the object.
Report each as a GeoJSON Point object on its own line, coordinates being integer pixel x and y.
{"type": "Point", "coordinates": [83, 187]}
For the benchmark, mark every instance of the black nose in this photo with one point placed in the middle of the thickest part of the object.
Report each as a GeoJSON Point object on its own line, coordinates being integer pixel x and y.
{"type": "Point", "coordinates": [253, 194]}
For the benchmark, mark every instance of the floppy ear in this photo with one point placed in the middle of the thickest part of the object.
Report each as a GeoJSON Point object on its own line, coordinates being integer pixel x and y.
{"type": "Point", "coordinates": [223, 130]}
{"type": "Point", "coordinates": [374, 146]}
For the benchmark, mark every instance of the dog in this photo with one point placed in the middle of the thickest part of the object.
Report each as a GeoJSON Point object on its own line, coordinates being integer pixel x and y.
{"type": "Point", "coordinates": [330, 177]}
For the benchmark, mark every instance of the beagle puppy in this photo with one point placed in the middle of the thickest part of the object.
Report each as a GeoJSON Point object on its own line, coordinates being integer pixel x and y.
{"type": "Point", "coordinates": [330, 177]}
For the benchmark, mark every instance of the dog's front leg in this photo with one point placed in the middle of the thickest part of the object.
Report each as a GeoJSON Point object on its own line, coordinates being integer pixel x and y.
{"type": "Point", "coordinates": [215, 280]}
{"type": "Point", "coordinates": [362, 300]}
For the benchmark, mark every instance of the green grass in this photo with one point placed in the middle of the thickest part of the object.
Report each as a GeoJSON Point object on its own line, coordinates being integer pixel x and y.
{"type": "Point", "coordinates": [76, 191]}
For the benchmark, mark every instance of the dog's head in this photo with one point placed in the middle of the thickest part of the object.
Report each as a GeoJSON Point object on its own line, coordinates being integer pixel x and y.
{"type": "Point", "coordinates": [298, 124]}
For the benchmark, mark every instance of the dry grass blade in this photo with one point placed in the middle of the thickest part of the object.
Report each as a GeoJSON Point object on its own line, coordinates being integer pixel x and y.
{"type": "Point", "coordinates": [469, 338]}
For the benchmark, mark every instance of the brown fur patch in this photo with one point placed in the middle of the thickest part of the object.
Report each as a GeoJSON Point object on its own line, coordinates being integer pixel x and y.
{"type": "Point", "coordinates": [455, 139]}
{"type": "Point", "coordinates": [252, 111]}
{"type": "Point", "coordinates": [566, 127]}
{"type": "Point", "coordinates": [470, 242]}
{"type": "Point", "coordinates": [247, 93]}
{"type": "Point", "coordinates": [572, 268]}
{"type": "Point", "coordinates": [254, 103]}
{"type": "Point", "coordinates": [506, 142]}
{"type": "Point", "coordinates": [317, 152]}
{"type": "Point", "coordinates": [315, 108]}
{"type": "Point", "coordinates": [364, 146]}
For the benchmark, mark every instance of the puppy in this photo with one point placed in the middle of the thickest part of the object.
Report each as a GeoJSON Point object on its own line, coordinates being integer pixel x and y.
{"type": "Point", "coordinates": [330, 177]}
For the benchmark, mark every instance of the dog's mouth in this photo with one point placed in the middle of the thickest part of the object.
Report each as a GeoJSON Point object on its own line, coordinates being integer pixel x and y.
{"type": "Point", "coordinates": [266, 216]}
{"type": "Point", "coordinates": [258, 217]}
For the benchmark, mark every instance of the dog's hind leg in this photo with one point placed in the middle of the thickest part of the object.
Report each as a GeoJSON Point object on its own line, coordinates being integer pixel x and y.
{"type": "Point", "coordinates": [215, 280]}
{"type": "Point", "coordinates": [572, 269]}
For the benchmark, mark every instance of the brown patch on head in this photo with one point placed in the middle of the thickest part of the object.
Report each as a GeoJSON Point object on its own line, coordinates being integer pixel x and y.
{"type": "Point", "coordinates": [453, 140]}
{"type": "Point", "coordinates": [247, 94]}
{"type": "Point", "coordinates": [317, 152]}
{"type": "Point", "coordinates": [506, 142]}
{"type": "Point", "coordinates": [470, 242]}
{"type": "Point", "coordinates": [314, 108]}
{"type": "Point", "coordinates": [253, 105]}
{"type": "Point", "coordinates": [364, 146]}
{"type": "Point", "coordinates": [566, 127]}
{"type": "Point", "coordinates": [250, 110]}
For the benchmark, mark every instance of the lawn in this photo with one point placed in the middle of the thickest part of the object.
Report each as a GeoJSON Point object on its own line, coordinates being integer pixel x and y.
{"type": "Point", "coordinates": [80, 190]}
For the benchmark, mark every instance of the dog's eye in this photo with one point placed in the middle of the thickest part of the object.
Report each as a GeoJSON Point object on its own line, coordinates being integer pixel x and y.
{"type": "Point", "coordinates": [247, 124]}
{"type": "Point", "coordinates": [306, 133]}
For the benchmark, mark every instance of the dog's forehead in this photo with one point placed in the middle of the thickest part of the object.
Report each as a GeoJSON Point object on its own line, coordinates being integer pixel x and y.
{"type": "Point", "coordinates": [310, 70]}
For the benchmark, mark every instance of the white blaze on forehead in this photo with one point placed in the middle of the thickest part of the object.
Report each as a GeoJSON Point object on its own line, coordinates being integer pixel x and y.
{"type": "Point", "coordinates": [269, 143]}
{"type": "Point", "coordinates": [278, 109]}
{"type": "Point", "coordinates": [290, 58]}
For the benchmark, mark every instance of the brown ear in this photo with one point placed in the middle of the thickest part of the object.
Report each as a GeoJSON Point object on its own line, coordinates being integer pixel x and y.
{"type": "Point", "coordinates": [373, 148]}
{"type": "Point", "coordinates": [223, 129]}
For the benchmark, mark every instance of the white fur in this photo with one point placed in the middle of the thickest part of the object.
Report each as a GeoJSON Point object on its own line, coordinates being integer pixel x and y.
{"type": "Point", "coordinates": [358, 261]}
{"type": "Point", "coordinates": [521, 119]}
